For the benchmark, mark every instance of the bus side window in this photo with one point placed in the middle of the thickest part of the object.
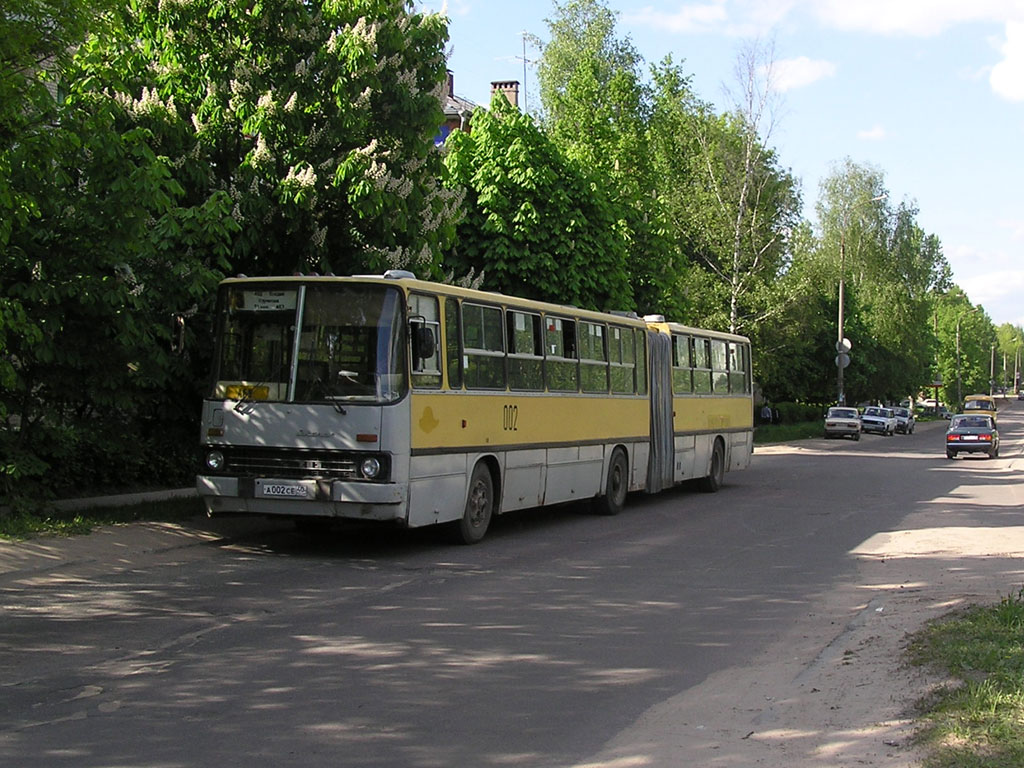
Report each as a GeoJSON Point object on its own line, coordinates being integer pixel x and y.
{"type": "Point", "coordinates": [701, 358]}
{"type": "Point", "coordinates": [484, 337]}
{"type": "Point", "coordinates": [622, 357]}
{"type": "Point", "coordinates": [525, 351]}
{"type": "Point", "coordinates": [682, 375]}
{"type": "Point", "coordinates": [720, 366]}
{"type": "Point", "coordinates": [560, 351]}
{"type": "Point", "coordinates": [737, 368]}
{"type": "Point", "coordinates": [425, 335]}
{"type": "Point", "coordinates": [452, 346]}
{"type": "Point", "coordinates": [593, 358]}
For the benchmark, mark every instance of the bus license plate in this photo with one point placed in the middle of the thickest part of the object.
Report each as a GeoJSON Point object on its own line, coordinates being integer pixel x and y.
{"type": "Point", "coordinates": [270, 489]}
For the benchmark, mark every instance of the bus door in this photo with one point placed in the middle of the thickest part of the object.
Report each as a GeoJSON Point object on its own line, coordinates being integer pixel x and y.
{"type": "Point", "coordinates": [661, 462]}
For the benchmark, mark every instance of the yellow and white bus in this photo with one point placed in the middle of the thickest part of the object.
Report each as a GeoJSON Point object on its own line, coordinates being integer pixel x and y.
{"type": "Point", "coordinates": [395, 399]}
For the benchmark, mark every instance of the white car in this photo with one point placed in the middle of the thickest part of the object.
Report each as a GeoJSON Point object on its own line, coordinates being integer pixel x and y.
{"type": "Point", "coordinates": [842, 422]}
{"type": "Point", "coordinates": [904, 420]}
{"type": "Point", "coordinates": [878, 419]}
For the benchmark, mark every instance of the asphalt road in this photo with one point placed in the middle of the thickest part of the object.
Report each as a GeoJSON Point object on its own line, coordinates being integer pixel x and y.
{"type": "Point", "coordinates": [372, 647]}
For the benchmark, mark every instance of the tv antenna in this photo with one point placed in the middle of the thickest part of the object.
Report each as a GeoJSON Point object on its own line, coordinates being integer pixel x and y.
{"type": "Point", "coordinates": [526, 101]}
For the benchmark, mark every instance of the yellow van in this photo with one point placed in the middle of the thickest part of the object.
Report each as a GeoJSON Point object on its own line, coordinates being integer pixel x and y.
{"type": "Point", "coordinates": [980, 404]}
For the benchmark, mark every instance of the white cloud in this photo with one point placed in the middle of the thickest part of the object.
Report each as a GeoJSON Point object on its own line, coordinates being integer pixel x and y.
{"type": "Point", "coordinates": [689, 18]}
{"type": "Point", "coordinates": [738, 18]}
{"type": "Point", "coordinates": [920, 18]}
{"type": "Point", "coordinates": [998, 291]}
{"type": "Point", "coordinates": [992, 278]}
{"type": "Point", "coordinates": [874, 133]}
{"type": "Point", "coordinates": [788, 74]}
{"type": "Point", "coordinates": [1015, 226]}
{"type": "Point", "coordinates": [1007, 77]}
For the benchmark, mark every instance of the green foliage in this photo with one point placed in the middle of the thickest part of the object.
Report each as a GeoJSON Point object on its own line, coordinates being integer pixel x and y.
{"type": "Point", "coordinates": [965, 337]}
{"type": "Point", "coordinates": [976, 723]}
{"type": "Point", "coordinates": [23, 525]}
{"type": "Point", "coordinates": [90, 285]}
{"type": "Point", "coordinates": [315, 119]}
{"type": "Point", "coordinates": [1009, 347]}
{"type": "Point", "coordinates": [792, 413]}
{"type": "Point", "coordinates": [597, 111]}
{"type": "Point", "coordinates": [537, 223]}
{"type": "Point", "coordinates": [892, 273]}
{"type": "Point", "coordinates": [787, 431]}
{"type": "Point", "coordinates": [172, 144]}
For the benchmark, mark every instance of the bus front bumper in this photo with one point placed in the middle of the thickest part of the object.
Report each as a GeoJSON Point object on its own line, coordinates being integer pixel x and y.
{"type": "Point", "coordinates": [303, 498]}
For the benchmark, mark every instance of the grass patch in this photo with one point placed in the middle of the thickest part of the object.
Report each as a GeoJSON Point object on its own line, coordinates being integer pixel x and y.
{"type": "Point", "coordinates": [978, 723]}
{"type": "Point", "coordinates": [24, 525]}
{"type": "Point", "coordinates": [782, 433]}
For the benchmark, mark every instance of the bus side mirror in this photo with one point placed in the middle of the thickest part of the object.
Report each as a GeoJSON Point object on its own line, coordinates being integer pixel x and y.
{"type": "Point", "coordinates": [423, 346]}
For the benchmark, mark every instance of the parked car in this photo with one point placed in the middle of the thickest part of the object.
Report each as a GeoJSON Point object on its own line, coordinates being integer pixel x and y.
{"type": "Point", "coordinates": [842, 422]}
{"type": "Point", "coordinates": [878, 419]}
{"type": "Point", "coordinates": [904, 420]}
{"type": "Point", "coordinates": [972, 433]}
{"type": "Point", "coordinates": [1020, 395]}
{"type": "Point", "coordinates": [980, 404]}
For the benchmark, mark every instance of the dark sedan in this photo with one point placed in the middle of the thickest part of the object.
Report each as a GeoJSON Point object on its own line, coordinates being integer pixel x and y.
{"type": "Point", "coordinates": [972, 434]}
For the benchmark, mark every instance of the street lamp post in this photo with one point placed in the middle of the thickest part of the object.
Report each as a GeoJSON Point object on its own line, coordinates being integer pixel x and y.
{"type": "Point", "coordinates": [1016, 364]}
{"type": "Point", "coordinates": [842, 346]}
{"type": "Point", "coordinates": [992, 373]}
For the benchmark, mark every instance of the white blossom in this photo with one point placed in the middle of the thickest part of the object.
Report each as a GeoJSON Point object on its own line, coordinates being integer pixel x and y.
{"type": "Point", "coordinates": [262, 152]}
{"type": "Point", "coordinates": [303, 175]}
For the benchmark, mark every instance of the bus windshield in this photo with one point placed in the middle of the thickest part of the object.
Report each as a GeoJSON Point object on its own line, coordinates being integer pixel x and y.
{"type": "Point", "coordinates": [350, 343]}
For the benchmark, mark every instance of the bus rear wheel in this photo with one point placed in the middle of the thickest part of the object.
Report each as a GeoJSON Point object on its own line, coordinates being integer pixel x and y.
{"type": "Point", "coordinates": [716, 473]}
{"type": "Point", "coordinates": [615, 487]}
{"type": "Point", "coordinates": [476, 518]}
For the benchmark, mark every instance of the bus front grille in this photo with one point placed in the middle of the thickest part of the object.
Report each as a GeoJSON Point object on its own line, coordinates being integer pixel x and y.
{"type": "Point", "coordinates": [292, 464]}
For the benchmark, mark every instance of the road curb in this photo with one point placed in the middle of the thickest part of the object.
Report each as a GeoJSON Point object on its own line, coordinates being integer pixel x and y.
{"type": "Point", "coordinates": [123, 499]}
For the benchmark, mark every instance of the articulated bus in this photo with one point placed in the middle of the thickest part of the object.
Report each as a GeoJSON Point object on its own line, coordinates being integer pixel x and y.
{"type": "Point", "coordinates": [389, 398]}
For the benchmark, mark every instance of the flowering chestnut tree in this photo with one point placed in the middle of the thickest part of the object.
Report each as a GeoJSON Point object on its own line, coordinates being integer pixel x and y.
{"type": "Point", "coordinates": [150, 147]}
{"type": "Point", "coordinates": [315, 118]}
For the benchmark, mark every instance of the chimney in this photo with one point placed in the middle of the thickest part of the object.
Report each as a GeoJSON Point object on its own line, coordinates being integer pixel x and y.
{"type": "Point", "coordinates": [508, 87]}
{"type": "Point", "coordinates": [451, 83]}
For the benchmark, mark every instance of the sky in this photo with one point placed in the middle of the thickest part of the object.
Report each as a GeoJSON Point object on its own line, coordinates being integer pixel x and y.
{"type": "Point", "coordinates": [929, 92]}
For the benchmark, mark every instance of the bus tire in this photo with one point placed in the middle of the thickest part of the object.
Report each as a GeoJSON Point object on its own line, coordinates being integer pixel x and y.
{"type": "Point", "coordinates": [615, 487]}
{"type": "Point", "coordinates": [476, 518]}
{"type": "Point", "coordinates": [716, 472]}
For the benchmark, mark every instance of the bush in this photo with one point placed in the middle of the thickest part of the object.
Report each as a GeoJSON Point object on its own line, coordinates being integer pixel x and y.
{"type": "Point", "coordinates": [794, 413]}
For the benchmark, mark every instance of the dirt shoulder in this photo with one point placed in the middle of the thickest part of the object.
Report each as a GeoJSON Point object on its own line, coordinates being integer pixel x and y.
{"type": "Point", "coordinates": [834, 690]}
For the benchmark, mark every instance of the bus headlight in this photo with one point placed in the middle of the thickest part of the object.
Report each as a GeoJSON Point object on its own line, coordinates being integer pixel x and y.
{"type": "Point", "coordinates": [370, 468]}
{"type": "Point", "coordinates": [215, 461]}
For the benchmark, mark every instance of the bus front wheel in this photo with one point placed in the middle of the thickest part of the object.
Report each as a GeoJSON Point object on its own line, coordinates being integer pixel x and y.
{"type": "Point", "coordinates": [615, 487]}
{"type": "Point", "coordinates": [716, 472]}
{"type": "Point", "coordinates": [479, 506]}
